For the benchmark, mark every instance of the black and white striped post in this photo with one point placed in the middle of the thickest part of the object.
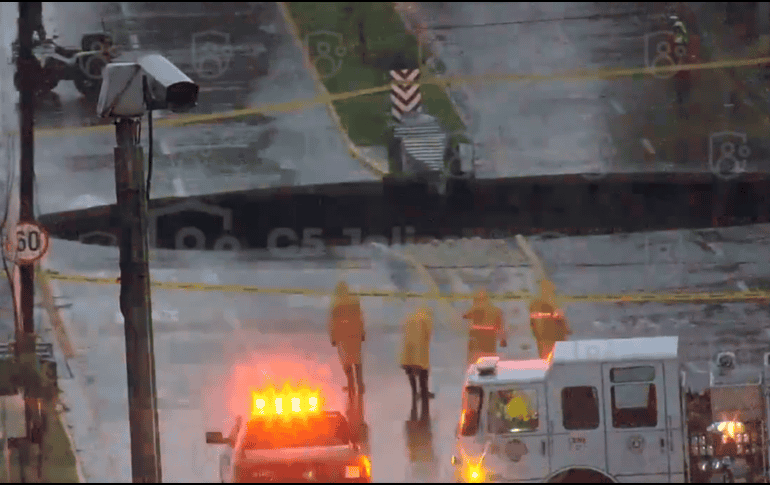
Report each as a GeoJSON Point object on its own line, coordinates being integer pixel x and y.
{"type": "Point", "coordinates": [405, 92]}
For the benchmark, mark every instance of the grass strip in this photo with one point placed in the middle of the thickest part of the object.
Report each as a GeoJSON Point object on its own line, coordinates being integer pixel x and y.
{"type": "Point", "coordinates": [354, 45]}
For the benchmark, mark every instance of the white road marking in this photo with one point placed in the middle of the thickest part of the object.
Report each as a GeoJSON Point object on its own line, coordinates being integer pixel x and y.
{"type": "Point", "coordinates": [179, 190]}
{"type": "Point", "coordinates": [716, 249]}
{"type": "Point", "coordinates": [617, 107]}
{"type": "Point", "coordinates": [648, 146]}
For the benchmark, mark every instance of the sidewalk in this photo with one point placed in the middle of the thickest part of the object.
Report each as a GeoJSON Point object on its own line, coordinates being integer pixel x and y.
{"type": "Point", "coordinates": [59, 464]}
{"type": "Point", "coordinates": [374, 165]}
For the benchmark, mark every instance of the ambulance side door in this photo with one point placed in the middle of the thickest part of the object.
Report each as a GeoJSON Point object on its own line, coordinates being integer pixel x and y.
{"type": "Point", "coordinates": [635, 406]}
{"type": "Point", "coordinates": [576, 416]}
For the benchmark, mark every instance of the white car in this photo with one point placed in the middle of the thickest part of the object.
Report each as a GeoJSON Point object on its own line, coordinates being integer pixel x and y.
{"type": "Point", "coordinates": [290, 444]}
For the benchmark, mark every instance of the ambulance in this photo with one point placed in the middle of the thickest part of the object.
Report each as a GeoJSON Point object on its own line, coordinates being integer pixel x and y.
{"type": "Point", "coordinates": [616, 411]}
{"type": "Point", "coordinates": [290, 437]}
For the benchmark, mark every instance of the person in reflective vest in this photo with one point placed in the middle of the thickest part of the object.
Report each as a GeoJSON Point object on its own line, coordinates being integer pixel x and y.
{"type": "Point", "coordinates": [346, 331]}
{"type": "Point", "coordinates": [681, 35]}
{"type": "Point", "coordinates": [415, 353]}
{"type": "Point", "coordinates": [546, 321]}
{"type": "Point", "coordinates": [486, 328]}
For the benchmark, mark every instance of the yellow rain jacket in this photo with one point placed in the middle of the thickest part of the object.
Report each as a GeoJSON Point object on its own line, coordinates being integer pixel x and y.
{"type": "Point", "coordinates": [346, 325]}
{"type": "Point", "coordinates": [417, 331]}
{"type": "Point", "coordinates": [517, 408]}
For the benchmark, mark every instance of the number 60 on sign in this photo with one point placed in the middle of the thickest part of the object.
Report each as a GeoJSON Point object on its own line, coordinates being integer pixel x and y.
{"type": "Point", "coordinates": [28, 243]}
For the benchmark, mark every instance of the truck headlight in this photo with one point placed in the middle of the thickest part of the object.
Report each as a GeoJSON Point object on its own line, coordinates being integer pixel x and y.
{"type": "Point", "coordinates": [474, 473]}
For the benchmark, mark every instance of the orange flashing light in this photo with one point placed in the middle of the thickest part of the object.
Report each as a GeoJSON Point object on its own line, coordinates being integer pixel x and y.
{"type": "Point", "coordinates": [367, 465]}
{"type": "Point", "coordinates": [730, 429]}
{"type": "Point", "coordinates": [286, 402]}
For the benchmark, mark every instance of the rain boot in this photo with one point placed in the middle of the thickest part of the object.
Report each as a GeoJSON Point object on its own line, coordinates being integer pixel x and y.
{"type": "Point", "coordinates": [350, 388]}
{"type": "Point", "coordinates": [412, 383]}
{"type": "Point", "coordinates": [425, 393]}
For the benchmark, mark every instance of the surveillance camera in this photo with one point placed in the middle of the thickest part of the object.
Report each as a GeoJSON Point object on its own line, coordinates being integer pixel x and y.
{"type": "Point", "coordinates": [121, 94]}
{"type": "Point", "coordinates": [169, 88]}
{"type": "Point", "coordinates": [123, 91]}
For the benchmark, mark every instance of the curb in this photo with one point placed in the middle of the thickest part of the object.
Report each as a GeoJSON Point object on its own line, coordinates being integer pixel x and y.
{"type": "Point", "coordinates": [63, 341]}
{"type": "Point", "coordinates": [373, 165]}
{"type": "Point", "coordinates": [68, 431]}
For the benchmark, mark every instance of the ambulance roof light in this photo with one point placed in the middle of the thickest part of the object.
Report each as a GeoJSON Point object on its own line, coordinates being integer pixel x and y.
{"type": "Point", "coordinates": [486, 366]}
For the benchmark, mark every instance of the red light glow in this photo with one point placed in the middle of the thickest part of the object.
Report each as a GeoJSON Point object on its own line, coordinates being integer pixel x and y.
{"type": "Point", "coordinates": [252, 385]}
{"type": "Point", "coordinates": [556, 314]}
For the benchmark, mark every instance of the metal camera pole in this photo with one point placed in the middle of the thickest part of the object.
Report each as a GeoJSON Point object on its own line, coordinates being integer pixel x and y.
{"type": "Point", "coordinates": [135, 303]}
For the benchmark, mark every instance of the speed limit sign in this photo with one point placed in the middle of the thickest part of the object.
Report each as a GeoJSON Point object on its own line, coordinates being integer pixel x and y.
{"type": "Point", "coordinates": [27, 244]}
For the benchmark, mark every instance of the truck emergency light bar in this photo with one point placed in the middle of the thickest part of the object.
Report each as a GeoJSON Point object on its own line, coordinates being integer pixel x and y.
{"type": "Point", "coordinates": [287, 402]}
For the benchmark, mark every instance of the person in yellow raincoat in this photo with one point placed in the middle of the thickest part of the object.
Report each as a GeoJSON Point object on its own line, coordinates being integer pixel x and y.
{"type": "Point", "coordinates": [511, 410]}
{"type": "Point", "coordinates": [486, 328]}
{"type": "Point", "coordinates": [346, 331]}
{"type": "Point", "coordinates": [548, 323]}
{"type": "Point", "coordinates": [415, 353]}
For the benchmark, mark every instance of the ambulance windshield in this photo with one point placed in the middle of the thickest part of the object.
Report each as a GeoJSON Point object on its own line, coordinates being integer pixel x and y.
{"type": "Point", "coordinates": [512, 411]}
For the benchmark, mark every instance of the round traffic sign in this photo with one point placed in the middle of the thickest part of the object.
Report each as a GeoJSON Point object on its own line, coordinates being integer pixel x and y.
{"type": "Point", "coordinates": [27, 243]}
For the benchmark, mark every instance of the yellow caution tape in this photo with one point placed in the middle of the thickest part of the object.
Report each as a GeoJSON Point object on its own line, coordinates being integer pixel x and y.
{"type": "Point", "coordinates": [300, 104]}
{"type": "Point", "coordinates": [679, 297]}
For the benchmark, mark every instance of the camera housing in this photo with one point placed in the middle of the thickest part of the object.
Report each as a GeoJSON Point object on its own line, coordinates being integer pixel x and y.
{"type": "Point", "coordinates": [169, 87]}
{"type": "Point", "coordinates": [129, 89]}
{"type": "Point", "coordinates": [121, 93]}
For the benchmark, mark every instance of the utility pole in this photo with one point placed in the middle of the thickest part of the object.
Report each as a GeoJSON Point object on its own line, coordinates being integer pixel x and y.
{"type": "Point", "coordinates": [135, 303]}
{"type": "Point", "coordinates": [30, 18]}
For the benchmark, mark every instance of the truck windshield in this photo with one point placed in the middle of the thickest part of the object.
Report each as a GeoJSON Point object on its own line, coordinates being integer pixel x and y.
{"type": "Point", "coordinates": [268, 434]}
{"type": "Point", "coordinates": [512, 411]}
